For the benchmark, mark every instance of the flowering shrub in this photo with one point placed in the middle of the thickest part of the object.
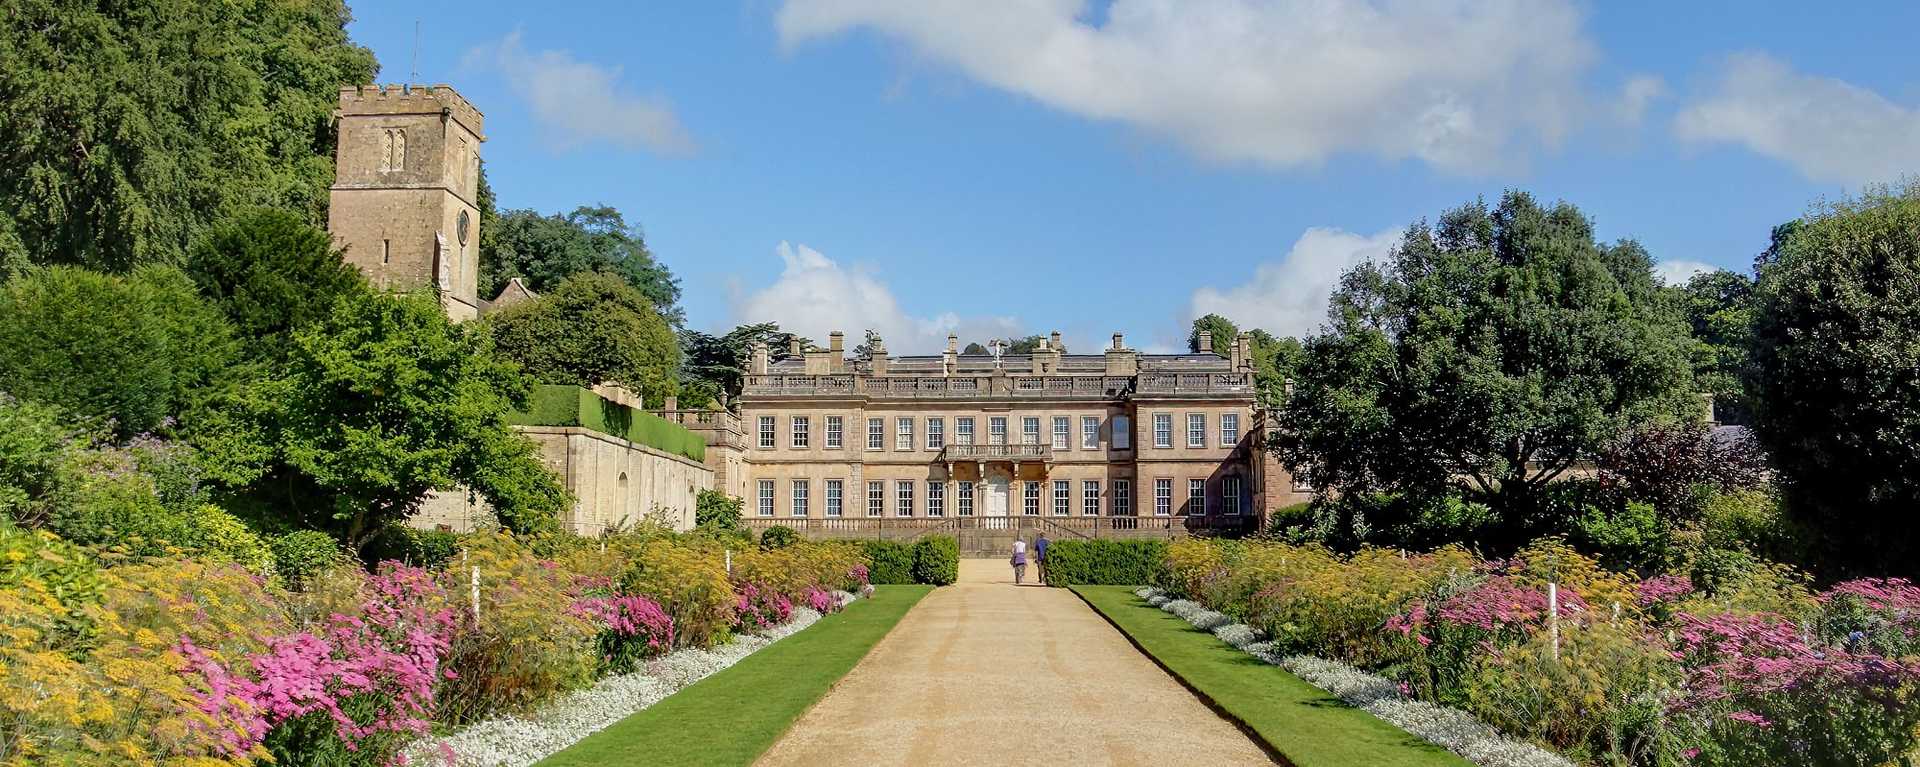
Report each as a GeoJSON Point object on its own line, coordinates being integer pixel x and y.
{"type": "Point", "coordinates": [525, 645]}
{"type": "Point", "coordinates": [759, 608]}
{"type": "Point", "coordinates": [1732, 663]}
{"type": "Point", "coordinates": [632, 628]}
{"type": "Point", "coordinates": [207, 661]}
{"type": "Point", "coordinates": [690, 581]}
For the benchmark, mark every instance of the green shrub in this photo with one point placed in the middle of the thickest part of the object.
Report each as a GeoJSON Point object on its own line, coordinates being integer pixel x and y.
{"type": "Point", "coordinates": [299, 555]}
{"type": "Point", "coordinates": [936, 560]}
{"type": "Point", "coordinates": [889, 563]}
{"type": "Point", "coordinates": [1624, 538]}
{"type": "Point", "coordinates": [422, 548]}
{"type": "Point", "coordinates": [778, 537]}
{"type": "Point", "coordinates": [1106, 562]}
{"type": "Point", "coordinates": [715, 510]}
{"type": "Point", "coordinates": [226, 537]}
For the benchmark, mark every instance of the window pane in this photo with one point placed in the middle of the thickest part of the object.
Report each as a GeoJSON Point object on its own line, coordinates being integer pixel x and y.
{"type": "Point", "coordinates": [800, 498]}
{"type": "Point", "coordinates": [997, 430]}
{"type": "Point", "coordinates": [903, 434]}
{"type": "Point", "coordinates": [1123, 497]}
{"type": "Point", "coordinates": [966, 499]}
{"type": "Point", "coordinates": [1196, 496]}
{"type": "Point", "coordinates": [1229, 429]}
{"type": "Point", "coordinates": [1062, 433]}
{"type": "Point", "coordinates": [834, 432]}
{"type": "Point", "coordinates": [801, 431]}
{"type": "Point", "coordinates": [1162, 430]}
{"type": "Point", "coordinates": [766, 498]}
{"type": "Point", "coordinates": [1162, 497]}
{"type": "Point", "coordinates": [766, 432]}
{"type": "Point", "coordinates": [1089, 432]}
{"type": "Point", "coordinates": [833, 497]}
{"type": "Point", "coordinates": [876, 499]}
{"type": "Point", "coordinates": [1090, 497]}
{"type": "Point", "coordinates": [1122, 433]}
{"type": "Point", "coordinates": [876, 434]}
{"type": "Point", "coordinates": [903, 505]}
{"type": "Point", "coordinates": [963, 432]}
{"type": "Point", "coordinates": [1062, 497]}
{"type": "Point", "coordinates": [1196, 430]}
{"type": "Point", "coordinates": [936, 498]}
{"type": "Point", "coordinates": [936, 433]}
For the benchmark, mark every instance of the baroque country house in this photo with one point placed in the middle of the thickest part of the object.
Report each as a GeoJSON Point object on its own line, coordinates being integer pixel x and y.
{"type": "Point", "coordinates": [1119, 444]}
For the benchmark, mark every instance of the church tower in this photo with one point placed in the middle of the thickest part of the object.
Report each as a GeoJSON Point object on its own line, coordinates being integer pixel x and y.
{"type": "Point", "coordinates": [405, 200]}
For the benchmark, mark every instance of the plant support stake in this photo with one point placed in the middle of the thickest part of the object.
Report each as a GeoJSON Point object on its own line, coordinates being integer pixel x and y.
{"type": "Point", "coordinates": [474, 581]}
{"type": "Point", "coordinates": [1553, 617]}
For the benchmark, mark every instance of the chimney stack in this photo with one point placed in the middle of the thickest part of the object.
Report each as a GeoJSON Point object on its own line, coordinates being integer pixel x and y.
{"type": "Point", "coordinates": [1206, 342]}
{"type": "Point", "coordinates": [1118, 342]}
{"type": "Point", "coordinates": [836, 342]}
{"type": "Point", "coordinates": [953, 342]}
{"type": "Point", "coordinates": [1055, 338]}
{"type": "Point", "coordinates": [793, 347]}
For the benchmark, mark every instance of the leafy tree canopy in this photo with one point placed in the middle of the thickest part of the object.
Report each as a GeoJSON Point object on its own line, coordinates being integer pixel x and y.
{"type": "Point", "coordinates": [974, 347]}
{"type": "Point", "coordinates": [1273, 357]}
{"type": "Point", "coordinates": [127, 352]}
{"type": "Point", "coordinates": [1719, 307]}
{"type": "Point", "coordinates": [271, 272]}
{"type": "Point", "coordinates": [1221, 329]}
{"type": "Point", "coordinates": [1835, 376]}
{"type": "Point", "coordinates": [591, 328]}
{"type": "Point", "coordinates": [383, 401]}
{"type": "Point", "coordinates": [1490, 352]}
{"type": "Point", "coordinates": [721, 361]}
{"type": "Point", "coordinates": [1029, 345]}
{"type": "Point", "coordinates": [545, 250]}
{"type": "Point", "coordinates": [126, 128]}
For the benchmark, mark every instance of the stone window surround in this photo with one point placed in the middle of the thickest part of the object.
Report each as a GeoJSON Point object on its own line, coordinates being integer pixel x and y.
{"type": "Point", "coordinates": [876, 434]}
{"type": "Point", "coordinates": [903, 498]}
{"type": "Point", "coordinates": [876, 498]}
{"type": "Point", "coordinates": [1030, 499]}
{"type": "Point", "coordinates": [764, 505]}
{"type": "Point", "coordinates": [1196, 430]}
{"type": "Point", "coordinates": [767, 440]}
{"type": "Point", "coordinates": [1090, 497]}
{"type": "Point", "coordinates": [802, 428]}
{"type": "Point", "coordinates": [1122, 501]}
{"type": "Point", "coordinates": [1062, 433]}
{"type": "Point", "coordinates": [936, 498]}
{"type": "Point", "coordinates": [799, 501]}
{"type": "Point", "coordinates": [964, 500]}
{"type": "Point", "coordinates": [1229, 429]}
{"type": "Point", "coordinates": [836, 501]}
{"type": "Point", "coordinates": [1196, 497]}
{"type": "Point", "coordinates": [1062, 497]}
{"type": "Point", "coordinates": [1089, 432]}
{"type": "Point", "coordinates": [936, 432]}
{"type": "Point", "coordinates": [836, 432]}
{"type": "Point", "coordinates": [1162, 496]}
{"type": "Point", "coordinates": [1163, 430]}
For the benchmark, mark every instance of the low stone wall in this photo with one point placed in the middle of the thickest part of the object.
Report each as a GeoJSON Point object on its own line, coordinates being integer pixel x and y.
{"type": "Point", "coordinates": [615, 484]}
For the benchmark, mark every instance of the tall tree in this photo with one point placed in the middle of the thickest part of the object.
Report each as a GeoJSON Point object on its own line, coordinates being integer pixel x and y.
{"type": "Point", "coordinates": [383, 401]}
{"type": "Point", "coordinates": [127, 127]}
{"type": "Point", "coordinates": [974, 347]}
{"type": "Point", "coordinates": [1719, 307]}
{"type": "Point", "coordinates": [1486, 355]}
{"type": "Point", "coordinates": [1029, 345]}
{"type": "Point", "coordinates": [1221, 330]}
{"type": "Point", "coordinates": [721, 361]}
{"type": "Point", "coordinates": [544, 250]}
{"type": "Point", "coordinates": [592, 328]}
{"type": "Point", "coordinates": [1274, 360]}
{"type": "Point", "coordinates": [271, 272]}
{"type": "Point", "coordinates": [1835, 376]}
{"type": "Point", "coordinates": [136, 351]}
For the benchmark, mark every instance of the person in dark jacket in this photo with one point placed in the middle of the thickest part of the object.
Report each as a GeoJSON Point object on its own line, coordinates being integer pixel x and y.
{"type": "Point", "coordinates": [1040, 556]}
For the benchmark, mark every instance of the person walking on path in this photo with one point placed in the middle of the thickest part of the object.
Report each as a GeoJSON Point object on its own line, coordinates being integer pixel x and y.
{"type": "Point", "coordinates": [1019, 561]}
{"type": "Point", "coordinates": [1040, 556]}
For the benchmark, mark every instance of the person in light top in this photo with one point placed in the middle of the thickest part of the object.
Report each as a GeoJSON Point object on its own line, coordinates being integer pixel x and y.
{"type": "Point", "coordinates": [1019, 561]}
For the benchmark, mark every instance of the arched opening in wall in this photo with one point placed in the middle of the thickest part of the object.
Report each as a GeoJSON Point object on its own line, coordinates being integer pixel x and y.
{"type": "Point", "coordinates": [624, 500]}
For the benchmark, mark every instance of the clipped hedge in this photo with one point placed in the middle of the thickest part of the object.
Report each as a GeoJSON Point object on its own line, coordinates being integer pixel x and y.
{"type": "Point", "coordinates": [1106, 562]}
{"type": "Point", "coordinates": [889, 563]}
{"type": "Point", "coordinates": [933, 560]}
{"type": "Point", "coordinates": [936, 560]}
{"type": "Point", "coordinates": [561, 405]}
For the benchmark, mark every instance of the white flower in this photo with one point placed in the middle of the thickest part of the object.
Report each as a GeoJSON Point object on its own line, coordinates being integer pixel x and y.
{"type": "Point", "coordinates": [1239, 635]}
{"type": "Point", "coordinates": [1158, 600]}
{"type": "Point", "coordinates": [1208, 620]}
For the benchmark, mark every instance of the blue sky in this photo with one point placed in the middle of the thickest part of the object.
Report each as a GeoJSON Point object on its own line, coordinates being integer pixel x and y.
{"type": "Point", "coordinates": [1097, 167]}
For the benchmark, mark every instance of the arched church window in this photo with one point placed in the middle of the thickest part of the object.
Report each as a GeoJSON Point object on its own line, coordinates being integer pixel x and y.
{"type": "Point", "coordinates": [399, 161]}
{"type": "Point", "coordinates": [386, 149]}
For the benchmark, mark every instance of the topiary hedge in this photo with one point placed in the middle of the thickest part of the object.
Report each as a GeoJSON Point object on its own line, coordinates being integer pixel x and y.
{"type": "Point", "coordinates": [1106, 562]}
{"type": "Point", "coordinates": [889, 563]}
{"type": "Point", "coordinates": [936, 560]}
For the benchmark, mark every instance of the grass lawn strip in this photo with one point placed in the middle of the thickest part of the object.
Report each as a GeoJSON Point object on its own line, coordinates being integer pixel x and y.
{"type": "Point", "coordinates": [1301, 723]}
{"type": "Point", "coordinates": [732, 717]}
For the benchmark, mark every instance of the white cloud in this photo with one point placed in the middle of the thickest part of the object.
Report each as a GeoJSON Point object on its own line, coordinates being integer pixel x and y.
{"type": "Point", "coordinates": [1636, 96]}
{"type": "Point", "coordinates": [1827, 129]}
{"type": "Point", "coordinates": [1289, 297]}
{"type": "Point", "coordinates": [579, 103]}
{"type": "Point", "coordinates": [815, 295]}
{"type": "Point", "coordinates": [1465, 86]}
{"type": "Point", "coordinates": [1678, 272]}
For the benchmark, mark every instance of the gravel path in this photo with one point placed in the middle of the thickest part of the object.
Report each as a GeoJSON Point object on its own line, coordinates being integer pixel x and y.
{"type": "Point", "coordinates": [987, 673]}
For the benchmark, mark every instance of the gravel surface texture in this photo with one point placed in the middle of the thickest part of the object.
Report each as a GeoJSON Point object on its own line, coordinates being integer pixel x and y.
{"type": "Point", "coordinates": [989, 673]}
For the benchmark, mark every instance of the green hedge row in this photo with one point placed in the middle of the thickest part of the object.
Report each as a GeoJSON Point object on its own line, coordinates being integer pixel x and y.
{"type": "Point", "coordinates": [1106, 563]}
{"type": "Point", "coordinates": [562, 405]}
{"type": "Point", "coordinates": [933, 560]}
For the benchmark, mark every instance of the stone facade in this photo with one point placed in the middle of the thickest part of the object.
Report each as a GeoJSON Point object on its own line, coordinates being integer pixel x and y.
{"type": "Point", "coordinates": [1117, 435]}
{"type": "Point", "coordinates": [403, 206]}
{"type": "Point", "coordinates": [403, 203]}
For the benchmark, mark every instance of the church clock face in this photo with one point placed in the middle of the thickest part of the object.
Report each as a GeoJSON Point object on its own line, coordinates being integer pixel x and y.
{"type": "Point", "coordinates": [460, 228]}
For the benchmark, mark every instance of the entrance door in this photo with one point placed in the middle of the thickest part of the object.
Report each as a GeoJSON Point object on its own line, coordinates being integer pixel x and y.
{"type": "Point", "coordinates": [996, 496]}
